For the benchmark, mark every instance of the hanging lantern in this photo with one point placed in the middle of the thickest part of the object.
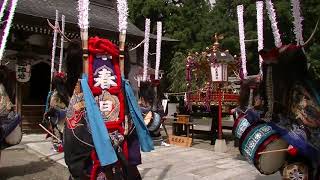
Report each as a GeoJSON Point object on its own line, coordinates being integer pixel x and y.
{"type": "Point", "coordinates": [219, 65]}
{"type": "Point", "coordinates": [23, 72]}
{"type": "Point", "coordinates": [219, 72]}
{"type": "Point", "coordinates": [219, 61]}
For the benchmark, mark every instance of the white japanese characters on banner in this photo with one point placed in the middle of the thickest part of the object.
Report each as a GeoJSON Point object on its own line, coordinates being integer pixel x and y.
{"type": "Point", "coordinates": [109, 106]}
{"type": "Point", "coordinates": [105, 106]}
{"type": "Point", "coordinates": [105, 79]}
{"type": "Point", "coordinates": [219, 72]}
{"type": "Point", "coordinates": [23, 72]}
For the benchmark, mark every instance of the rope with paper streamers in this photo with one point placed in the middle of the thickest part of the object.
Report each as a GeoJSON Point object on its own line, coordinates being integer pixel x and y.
{"type": "Point", "coordinates": [122, 6]}
{"type": "Point", "coordinates": [259, 6]}
{"type": "Point", "coordinates": [146, 49]}
{"type": "Point", "coordinates": [61, 43]}
{"type": "Point", "coordinates": [274, 23]}
{"type": "Point", "coordinates": [7, 28]}
{"type": "Point", "coordinates": [54, 45]}
{"type": "Point", "coordinates": [242, 38]}
{"type": "Point", "coordinates": [3, 7]}
{"type": "Point", "coordinates": [158, 53]}
{"type": "Point", "coordinates": [296, 12]}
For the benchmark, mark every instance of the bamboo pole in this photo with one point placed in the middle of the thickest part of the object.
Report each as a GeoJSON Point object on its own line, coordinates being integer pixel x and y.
{"type": "Point", "coordinates": [122, 40]}
{"type": "Point", "coordinates": [84, 38]}
{"type": "Point", "coordinates": [50, 133]}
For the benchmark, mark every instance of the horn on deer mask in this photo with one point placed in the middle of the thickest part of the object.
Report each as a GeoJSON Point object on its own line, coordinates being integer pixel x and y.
{"type": "Point", "coordinates": [311, 36]}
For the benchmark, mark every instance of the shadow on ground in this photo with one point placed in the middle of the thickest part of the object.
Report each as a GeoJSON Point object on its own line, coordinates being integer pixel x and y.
{"type": "Point", "coordinates": [22, 165]}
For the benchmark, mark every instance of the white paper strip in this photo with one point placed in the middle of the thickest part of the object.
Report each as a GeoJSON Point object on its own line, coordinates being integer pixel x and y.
{"type": "Point", "coordinates": [158, 53]}
{"type": "Point", "coordinates": [122, 6]}
{"type": "Point", "coordinates": [7, 28]}
{"type": "Point", "coordinates": [259, 5]}
{"type": "Point", "coordinates": [3, 7]}
{"type": "Point", "coordinates": [54, 43]}
{"type": "Point", "coordinates": [274, 23]}
{"type": "Point", "coordinates": [296, 12]}
{"type": "Point", "coordinates": [83, 16]}
{"type": "Point", "coordinates": [146, 50]}
{"type": "Point", "coordinates": [61, 43]}
{"type": "Point", "coordinates": [241, 39]}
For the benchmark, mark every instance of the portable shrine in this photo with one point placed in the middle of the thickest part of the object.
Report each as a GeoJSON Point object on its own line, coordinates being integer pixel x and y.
{"type": "Point", "coordinates": [215, 71]}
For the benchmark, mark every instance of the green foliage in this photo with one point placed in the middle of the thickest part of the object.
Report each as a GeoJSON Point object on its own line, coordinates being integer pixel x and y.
{"type": "Point", "coordinates": [194, 23]}
{"type": "Point", "coordinates": [177, 72]}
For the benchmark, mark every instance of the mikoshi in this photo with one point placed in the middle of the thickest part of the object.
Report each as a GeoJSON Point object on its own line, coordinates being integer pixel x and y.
{"type": "Point", "coordinates": [101, 141]}
{"type": "Point", "coordinates": [277, 122]}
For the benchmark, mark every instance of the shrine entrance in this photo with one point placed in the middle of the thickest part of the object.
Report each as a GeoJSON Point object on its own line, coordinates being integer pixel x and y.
{"type": "Point", "coordinates": [33, 96]}
{"type": "Point", "coordinates": [39, 84]}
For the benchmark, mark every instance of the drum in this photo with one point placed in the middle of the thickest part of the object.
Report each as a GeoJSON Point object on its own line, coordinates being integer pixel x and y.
{"type": "Point", "coordinates": [261, 137]}
{"type": "Point", "coordinates": [239, 126]}
{"type": "Point", "coordinates": [245, 133]}
{"type": "Point", "coordinates": [155, 123]}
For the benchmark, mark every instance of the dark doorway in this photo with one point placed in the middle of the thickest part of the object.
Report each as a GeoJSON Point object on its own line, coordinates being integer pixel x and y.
{"type": "Point", "coordinates": [39, 83]}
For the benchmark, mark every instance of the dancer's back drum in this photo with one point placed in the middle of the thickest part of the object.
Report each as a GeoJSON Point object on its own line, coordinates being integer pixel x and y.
{"type": "Point", "coordinates": [260, 137]}
{"type": "Point", "coordinates": [239, 126]}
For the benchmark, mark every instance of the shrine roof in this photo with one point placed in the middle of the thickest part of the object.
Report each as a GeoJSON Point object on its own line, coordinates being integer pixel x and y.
{"type": "Point", "coordinates": [103, 14]}
{"type": "Point", "coordinates": [224, 56]}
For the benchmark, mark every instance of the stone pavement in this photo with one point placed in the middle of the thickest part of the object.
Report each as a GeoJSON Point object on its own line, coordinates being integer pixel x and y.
{"type": "Point", "coordinates": [171, 163]}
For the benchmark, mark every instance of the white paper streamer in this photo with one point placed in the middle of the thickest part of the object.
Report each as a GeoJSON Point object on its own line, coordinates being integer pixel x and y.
{"type": "Point", "coordinates": [7, 28]}
{"type": "Point", "coordinates": [3, 7]}
{"type": "Point", "coordinates": [54, 43]}
{"type": "Point", "coordinates": [146, 49]}
{"type": "Point", "coordinates": [259, 5]}
{"type": "Point", "coordinates": [83, 16]}
{"type": "Point", "coordinates": [274, 23]}
{"type": "Point", "coordinates": [296, 12]}
{"type": "Point", "coordinates": [158, 54]}
{"type": "Point", "coordinates": [122, 6]}
{"type": "Point", "coordinates": [241, 39]}
{"type": "Point", "coordinates": [62, 42]}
